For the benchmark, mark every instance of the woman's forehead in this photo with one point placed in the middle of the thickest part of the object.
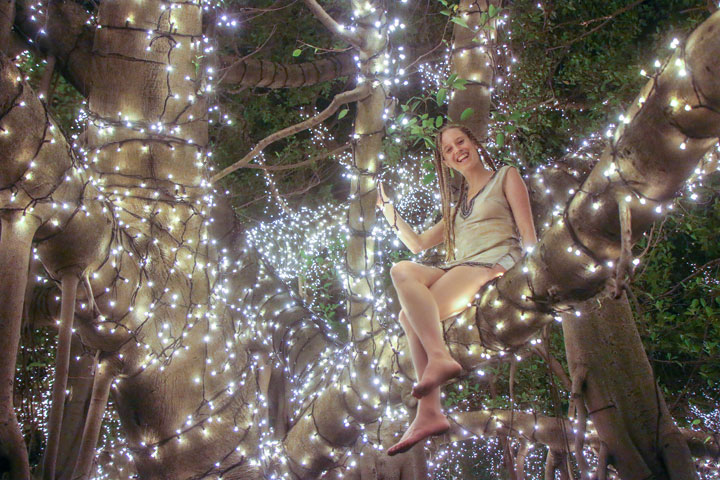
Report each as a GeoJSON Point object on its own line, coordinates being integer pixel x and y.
{"type": "Point", "coordinates": [452, 134]}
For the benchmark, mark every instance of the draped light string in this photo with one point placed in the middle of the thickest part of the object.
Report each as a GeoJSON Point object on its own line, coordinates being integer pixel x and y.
{"type": "Point", "coordinates": [320, 231]}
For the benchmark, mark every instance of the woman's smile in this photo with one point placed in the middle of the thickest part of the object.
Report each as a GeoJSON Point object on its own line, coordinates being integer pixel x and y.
{"type": "Point", "coordinates": [462, 157]}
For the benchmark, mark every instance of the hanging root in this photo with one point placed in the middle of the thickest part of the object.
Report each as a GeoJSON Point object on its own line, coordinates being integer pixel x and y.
{"type": "Point", "coordinates": [69, 285]}
{"type": "Point", "coordinates": [92, 307]}
{"type": "Point", "coordinates": [578, 382]}
{"type": "Point", "coordinates": [556, 460]}
{"type": "Point", "coordinates": [623, 270]}
{"type": "Point", "coordinates": [104, 375]}
{"type": "Point", "coordinates": [602, 462]}
{"type": "Point", "coordinates": [16, 236]}
{"type": "Point", "coordinates": [580, 437]}
{"type": "Point", "coordinates": [520, 460]}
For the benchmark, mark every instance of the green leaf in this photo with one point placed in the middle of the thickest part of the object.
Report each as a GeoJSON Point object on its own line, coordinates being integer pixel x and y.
{"type": "Point", "coordinates": [447, 13]}
{"type": "Point", "coordinates": [429, 178]}
{"type": "Point", "coordinates": [500, 139]}
{"type": "Point", "coordinates": [297, 52]}
{"type": "Point", "coordinates": [467, 113]}
{"type": "Point", "coordinates": [492, 10]}
{"type": "Point", "coordinates": [459, 21]}
{"type": "Point", "coordinates": [440, 97]}
{"type": "Point", "coordinates": [459, 84]}
{"type": "Point", "coordinates": [343, 112]}
{"type": "Point", "coordinates": [438, 121]}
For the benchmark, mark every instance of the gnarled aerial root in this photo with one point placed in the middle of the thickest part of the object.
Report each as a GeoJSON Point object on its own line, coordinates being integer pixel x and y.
{"type": "Point", "coordinates": [556, 460]}
{"type": "Point", "coordinates": [69, 285]}
{"type": "Point", "coordinates": [104, 376]}
{"type": "Point", "coordinates": [15, 246]}
{"type": "Point", "coordinates": [578, 381]}
{"type": "Point", "coordinates": [623, 271]}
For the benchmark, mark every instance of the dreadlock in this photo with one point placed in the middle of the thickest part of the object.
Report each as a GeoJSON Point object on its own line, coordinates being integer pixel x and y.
{"type": "Point", "coordinates": [443, 176]}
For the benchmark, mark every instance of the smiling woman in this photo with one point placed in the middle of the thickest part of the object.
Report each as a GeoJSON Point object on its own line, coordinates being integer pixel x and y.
{"type": "Point", "coordinates": [481, 243]}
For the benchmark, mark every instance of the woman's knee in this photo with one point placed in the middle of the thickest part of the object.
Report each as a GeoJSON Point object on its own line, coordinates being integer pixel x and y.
{"type": "Point", "coordinates": [402, 271]}
{"type": "Point", "coordinates": [402, 318]}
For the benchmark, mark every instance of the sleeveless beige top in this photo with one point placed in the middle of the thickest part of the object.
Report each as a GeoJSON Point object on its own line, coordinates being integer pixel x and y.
{"type": "Point", "coordinates": [485, 230]}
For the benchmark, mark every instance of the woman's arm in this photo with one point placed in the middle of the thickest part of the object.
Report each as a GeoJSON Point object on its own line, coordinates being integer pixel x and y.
{"type": "Point", "coordinates": [519, 201]}
{"type": "Point", "coordinates": [412, 240]}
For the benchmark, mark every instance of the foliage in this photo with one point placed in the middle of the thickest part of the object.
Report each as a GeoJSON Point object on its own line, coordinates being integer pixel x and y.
{"type": "Point", "coordinates": [578, 68]}
{"type": "Point", "coordinates": [678, 302]}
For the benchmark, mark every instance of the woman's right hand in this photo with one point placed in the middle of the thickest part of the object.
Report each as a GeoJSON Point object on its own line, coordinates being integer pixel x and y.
{"type": "Point", "coordinates": [382, 198]}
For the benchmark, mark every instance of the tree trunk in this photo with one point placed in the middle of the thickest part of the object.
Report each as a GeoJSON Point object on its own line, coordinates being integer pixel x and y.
{"type": "Point", "coordinates": [80, 381]}
{"type": "Point", "coordinates": [611, 372]}
{"type": "Point", "coordinates": [16, 235]}
{"type": "Point", "coordinates": [472, 60]}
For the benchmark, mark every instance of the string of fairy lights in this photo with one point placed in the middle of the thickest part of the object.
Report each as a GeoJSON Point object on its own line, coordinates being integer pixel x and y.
{"type": "Point", "coordinates": [170, 209]}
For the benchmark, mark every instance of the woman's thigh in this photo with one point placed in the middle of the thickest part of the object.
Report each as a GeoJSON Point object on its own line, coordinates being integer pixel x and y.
{"type": "Point", "coordinates": [407, 270]}
{"type": "Point", "coordinates": [458, 286]}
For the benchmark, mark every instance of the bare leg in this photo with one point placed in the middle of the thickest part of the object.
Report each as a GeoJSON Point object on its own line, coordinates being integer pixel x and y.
{"type": "Point", "coordinates": [450, 294]}
{"type": "Point", "coordinates": [420, 307]}
{"type": "Point", "coordinates": [429, 419]}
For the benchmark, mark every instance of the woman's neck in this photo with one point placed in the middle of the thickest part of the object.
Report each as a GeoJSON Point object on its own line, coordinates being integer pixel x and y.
{"type": "Point", "coordinates": [477, 177]}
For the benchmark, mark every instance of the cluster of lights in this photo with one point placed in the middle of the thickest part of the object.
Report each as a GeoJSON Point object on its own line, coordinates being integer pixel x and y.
{"type": "Point", "coordinates": [173, 210]}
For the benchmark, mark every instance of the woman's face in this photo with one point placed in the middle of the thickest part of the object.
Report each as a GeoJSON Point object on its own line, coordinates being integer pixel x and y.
{"type": "Point", "coordinates": [458, 151]}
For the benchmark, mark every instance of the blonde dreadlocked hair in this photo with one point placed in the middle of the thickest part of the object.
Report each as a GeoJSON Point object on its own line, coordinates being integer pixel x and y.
{"type": "Point", "coordinates": [443, 177]}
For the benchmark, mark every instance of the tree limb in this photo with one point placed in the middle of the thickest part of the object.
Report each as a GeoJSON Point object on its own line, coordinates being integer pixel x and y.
{"type": "Point", "coordinates": [314, 158]}
{"type": "Point", "coordinates": [251, 72]}
{"type": "Point", "coordinates": [69, 40]}
{"type": "Point", "coordinates": [332, 25]}
{"type": "Point", "coordinates": [346, 97]}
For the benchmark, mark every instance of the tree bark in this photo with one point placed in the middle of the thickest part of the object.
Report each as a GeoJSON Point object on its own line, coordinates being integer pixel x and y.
{"type": "Point", "coordinates": [7, 16]}
{"type": "Point", "coordinates": [80, 380]}
{"type": "Point", "coordinates": [472, 60]}
{"type": "Point", "coordinates": [69, 285]}
{"type": "Point", "coordinates": [16, 234]}
{"type": "Point", "coordinates": [104, 375]}
{"type": "Point", "coordinates": [68, 38]}
{"type": "Point", "coordinates": [619, 391]}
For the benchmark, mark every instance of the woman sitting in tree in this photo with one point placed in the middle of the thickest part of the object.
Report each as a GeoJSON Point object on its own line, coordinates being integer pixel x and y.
{"type": "Point", "coordinates": [481, 242]}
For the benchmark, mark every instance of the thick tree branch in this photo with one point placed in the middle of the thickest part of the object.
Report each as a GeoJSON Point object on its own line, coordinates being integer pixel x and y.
{"type": "Point", "coordinates": [340, 99]}
{"type": "Point", "coordinates": [251, 72]}
{"type": "Point", "coordinates": [68, 39]}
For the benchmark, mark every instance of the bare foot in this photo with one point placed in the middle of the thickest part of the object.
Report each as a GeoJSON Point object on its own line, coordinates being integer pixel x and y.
{"type": "Point", "coordinates": [436, 373]}
{"type": "Point", "coordinates": [421, 428]}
